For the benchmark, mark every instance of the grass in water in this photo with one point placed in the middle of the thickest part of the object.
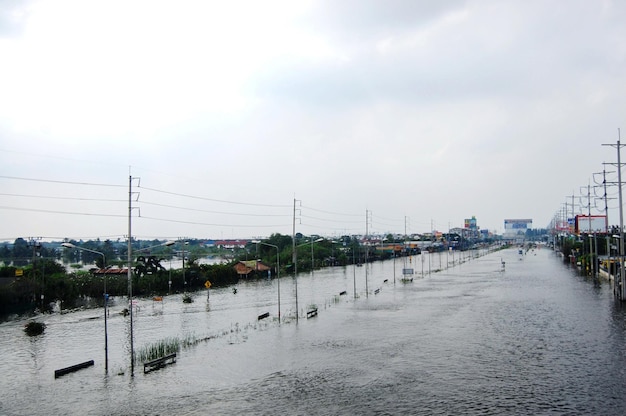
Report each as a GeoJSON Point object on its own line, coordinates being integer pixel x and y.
{"type": "Point", "coordinates": [158, 349]}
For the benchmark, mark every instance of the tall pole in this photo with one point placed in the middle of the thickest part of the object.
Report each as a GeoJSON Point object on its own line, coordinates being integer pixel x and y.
{"type": "Point", "coordinates": [277, 272]}
{"type": "Point", "coordinates": [278, 279]}
{"type": "Point", "coordinates": [606, 219]}
{"type": "Point", "coordinates": [448, 248]}
{"type": "Point", "coordinates": [354, 269]}
{"type": "Point", "coordinates": [294, 256]}
{"type": "Point", "coordinates": [106, 300]}
{"type": "Point", "coordinates": [130, 275]}
{"type": "Point", "coordinates": [184, 278]}
{"type": "Point", "coordinates": [589, 235]}
{"type": "Point", "coordinates": [394, 263]}
{"type": "Point", "coordinates": [366, 249]}
{"type": "Point", "coordinates": [618, 287]}
{"type": "Point", "coordinates": [312, 260]}
{"type": "Point", "coordinates": [621, 220]}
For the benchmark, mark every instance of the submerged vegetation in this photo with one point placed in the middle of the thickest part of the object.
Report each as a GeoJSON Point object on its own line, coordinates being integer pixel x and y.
{"type": "Point", "coordinates": [158, 349]}
{"type": "Point", "coordinates": [42, 277]}
{"type": "Point", "coordinates": [34, 328]}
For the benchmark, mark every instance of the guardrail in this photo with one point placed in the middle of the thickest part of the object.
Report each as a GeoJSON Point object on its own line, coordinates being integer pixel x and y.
{"type": "Point", "coordinates": [159, 363]}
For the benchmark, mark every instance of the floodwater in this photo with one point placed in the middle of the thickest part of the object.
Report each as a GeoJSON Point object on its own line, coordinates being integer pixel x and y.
{"type": "Point", "coordinates": [473, 338]}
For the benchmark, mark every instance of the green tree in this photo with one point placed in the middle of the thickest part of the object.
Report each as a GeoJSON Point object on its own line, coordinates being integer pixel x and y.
{"type": "Point", "coordinates": [22, 253]}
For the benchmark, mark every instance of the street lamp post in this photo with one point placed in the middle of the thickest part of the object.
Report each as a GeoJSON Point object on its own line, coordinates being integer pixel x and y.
{"type": "Point", "coordinates": [130, 296]}
{"type": "Point", "coordinates": [106, 301]}
{"type": "Point", "coordinates": [295, 268]}
{"type": "Point", "coordinates": [277, 271]}
{"type": "Point", "coordinates": [186, 243]}
{"type": "Point", "coordinates": [311, 242]}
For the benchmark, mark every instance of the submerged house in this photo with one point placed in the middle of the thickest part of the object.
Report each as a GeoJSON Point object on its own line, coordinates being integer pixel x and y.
{"type": "Point", "coordinates": [244, 268]}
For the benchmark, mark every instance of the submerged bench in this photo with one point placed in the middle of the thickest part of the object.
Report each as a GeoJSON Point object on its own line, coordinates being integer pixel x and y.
{"type": "Point", "coordinates": [71, 369]}
{"type": "Point", "coordinates": [159, 363]}
{"type": "Point", "coordinates": [311, 313]}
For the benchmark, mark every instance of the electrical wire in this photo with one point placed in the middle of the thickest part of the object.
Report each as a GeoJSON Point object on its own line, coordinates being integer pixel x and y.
{"type": "Point", "coordinates": [209, 224]}
{"type": "Point", "coordinates": [212, 212]}
{"type": "Point", "coordinates": [69, 198]}
{"type": "Point", "coordinates": [61, 182]}
{"type": "Point", "coordinates": [213, 200]}
{"type": "Point", "coordinates": [63, 212]}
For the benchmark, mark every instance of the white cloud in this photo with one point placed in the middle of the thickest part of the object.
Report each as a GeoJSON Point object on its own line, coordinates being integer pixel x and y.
{"type": "Point", "coordinates": [434, 110]}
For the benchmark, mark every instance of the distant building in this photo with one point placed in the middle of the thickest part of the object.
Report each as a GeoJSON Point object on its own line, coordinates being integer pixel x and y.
{"type": "Point", "coordinates": [244, 268]}
{"type": "Point", "coordinates": [230, 244]}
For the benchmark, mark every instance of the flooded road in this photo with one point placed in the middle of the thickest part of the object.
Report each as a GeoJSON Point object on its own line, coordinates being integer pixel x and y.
{"type": "Point", "coordinates": [471, 338]}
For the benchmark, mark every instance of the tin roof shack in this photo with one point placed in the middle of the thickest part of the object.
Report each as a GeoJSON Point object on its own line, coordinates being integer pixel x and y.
{"type": "Point", "coordinates": [244, 268]}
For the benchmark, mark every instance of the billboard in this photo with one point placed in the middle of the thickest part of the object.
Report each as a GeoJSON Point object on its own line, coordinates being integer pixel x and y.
{"type": "Point", "coordinates": [590, 224]}
{"type": "Point", "coordinates": [513, 228]}
{"type": "Point", "coordinates": [470, 223]}
{"type": "Point", "coordinates": [518, 225]}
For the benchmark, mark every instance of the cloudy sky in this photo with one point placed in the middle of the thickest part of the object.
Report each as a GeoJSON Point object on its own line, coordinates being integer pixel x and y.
{"type": "Point", "coordinates": [382, 116]}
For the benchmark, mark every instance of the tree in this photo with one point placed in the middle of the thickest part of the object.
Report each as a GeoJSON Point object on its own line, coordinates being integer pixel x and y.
{"type": "Point", "coordinates": [21, 252]}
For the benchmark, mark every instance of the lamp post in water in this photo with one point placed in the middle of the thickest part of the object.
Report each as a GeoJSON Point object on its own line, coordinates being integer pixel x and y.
{"type": "Point", "coordinates": [130, 295]}
{"type": "Point", "coordinates": [277, 270]}
{"type": "Point", "coordinates": [106, 300]}
{"type": "Point", "coordinates": [295, 267]}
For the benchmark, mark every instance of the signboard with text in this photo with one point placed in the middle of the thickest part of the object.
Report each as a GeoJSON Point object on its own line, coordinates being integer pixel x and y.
{"type": "Point", "coordinates": [590, 224]}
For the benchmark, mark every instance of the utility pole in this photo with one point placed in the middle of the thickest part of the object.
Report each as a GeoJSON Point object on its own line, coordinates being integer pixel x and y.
{"type": "Point", "coordinates": [589, 231]}
{"type": "Point", "coordinates": [618, 286]}
{"type": "Point", "coordinates": [606, 213]}
{"type": "Point", "coordinates": [573, 209]}
{"type": "Point", "coordinates": [130, 274]}
{"type": "Point", "coordinates": [367, 220]}
{"type": "Point", "coordinates": [35, 243]}
{"type": "Point", "coordinates": [294, 256]}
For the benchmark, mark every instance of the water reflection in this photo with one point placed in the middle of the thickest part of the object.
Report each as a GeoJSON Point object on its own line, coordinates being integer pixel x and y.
{"type": "Point", "coordinates": [533, 338]}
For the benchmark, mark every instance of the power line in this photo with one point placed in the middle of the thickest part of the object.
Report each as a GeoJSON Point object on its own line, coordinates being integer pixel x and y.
{"type": "Point", "coordinates": [213, 200]}
{"type": "Point", "coordinates": [64, 198]}
{"type": "Point", "coordinates": [209, 224]}
{"type": "Point", "coordinates": [62, 182]}
{"type": "Point", "coordinates": [330, 212]}
{"type": "Point", "coordinates": [62, 212]}
{"type": "Point", "coordinates": [213, 212]}
{"type": "Point", "coordinates": [323, 219]}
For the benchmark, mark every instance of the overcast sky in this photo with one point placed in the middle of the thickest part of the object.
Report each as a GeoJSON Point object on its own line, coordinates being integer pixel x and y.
{"type": "Point", "coordinates": [420, 113]}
